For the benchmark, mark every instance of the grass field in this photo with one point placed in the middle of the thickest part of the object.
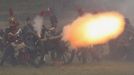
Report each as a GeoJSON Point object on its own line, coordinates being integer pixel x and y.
{"type": "Point", "coordinates": [103, 68]}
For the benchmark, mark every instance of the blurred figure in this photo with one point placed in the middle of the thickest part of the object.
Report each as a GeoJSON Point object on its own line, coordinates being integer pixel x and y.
{"type": "Point", "coordinates": [52, 17]}
{"type": "Point", "coordinates": [80, 11]}
{"type": "Point", "coordinates": [11, 38]}
{"type": "Point", "coordinates": [30, 38]}
{"type": "Point", "coordinates": [1, 39]}
{"type": "Point", "coordinates": [28, 29]}
{"type": "Point", "coordinates": [83, 54]}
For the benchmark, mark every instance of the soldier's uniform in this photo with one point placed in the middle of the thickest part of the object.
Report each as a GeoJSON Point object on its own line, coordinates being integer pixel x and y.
{"type": "Point", "coordinates": [11, 38]}
{"type": "Point", "coordinates": [29, 34]}
{"type": "Point", "coordinates": [30, 38]}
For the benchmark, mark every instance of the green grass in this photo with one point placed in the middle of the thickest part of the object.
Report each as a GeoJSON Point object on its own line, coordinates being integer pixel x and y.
{"type": "Point", "coordinates": [104, 68]}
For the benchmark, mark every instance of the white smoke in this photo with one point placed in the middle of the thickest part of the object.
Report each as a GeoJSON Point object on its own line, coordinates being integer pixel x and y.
{"type": "Point", "coordinates": [38, 24]}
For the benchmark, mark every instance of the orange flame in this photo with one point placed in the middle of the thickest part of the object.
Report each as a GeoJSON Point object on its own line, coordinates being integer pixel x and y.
{"type": "Point", "coordinates": [93, 29]}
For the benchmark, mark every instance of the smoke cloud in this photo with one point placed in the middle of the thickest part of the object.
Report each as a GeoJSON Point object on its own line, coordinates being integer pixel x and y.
{"type": "Point", "coordinates": [38, 23]}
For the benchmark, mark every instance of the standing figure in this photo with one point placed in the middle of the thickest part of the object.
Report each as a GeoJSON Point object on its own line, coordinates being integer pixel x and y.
{"type": "Point", "coordinates": [30, 38]}
{"type": "Point", "coordinates": [52, 17]}
{"type": "Point", "coordinates": [11, 38]}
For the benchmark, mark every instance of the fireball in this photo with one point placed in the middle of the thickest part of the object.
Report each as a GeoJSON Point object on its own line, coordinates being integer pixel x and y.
{"type": "Point", "coordinates": [93, 29]}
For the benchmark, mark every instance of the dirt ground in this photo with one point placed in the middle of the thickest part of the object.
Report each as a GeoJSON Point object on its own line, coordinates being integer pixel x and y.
{"type": "Point", "coordinates": [102, 68]}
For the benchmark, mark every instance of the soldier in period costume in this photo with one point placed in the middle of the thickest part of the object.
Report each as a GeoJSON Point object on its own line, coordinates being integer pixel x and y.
{"type": "Point", "coordinates": [11, 38]}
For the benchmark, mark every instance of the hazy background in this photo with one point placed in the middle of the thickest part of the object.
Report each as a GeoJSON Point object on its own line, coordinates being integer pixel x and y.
{"type": "Point", "coordinates": [64, 9]}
